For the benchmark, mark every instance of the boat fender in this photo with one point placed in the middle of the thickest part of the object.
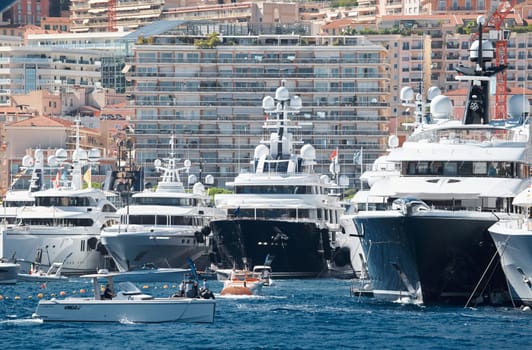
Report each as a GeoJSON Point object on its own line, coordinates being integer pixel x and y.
{"type": "Point", "coordinates": [198, 236]}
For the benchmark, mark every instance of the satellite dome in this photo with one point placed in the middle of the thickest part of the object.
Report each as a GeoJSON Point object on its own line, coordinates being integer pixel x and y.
{"type": "Point", "coordinates": [282, 94]}
{"type": "Point", "coordinates": [261, 150]}
{"type": "Point", "coordinates": [407, 94]}
{"type": "Point", "coordinates": [192, 179]}
{"type": "Point", "coordinates": [488, 53]}
{"type": "Point", "coordinates": [433, 92]}
{"type": "Point", "coordinates": [198, 188]}
{"type": "Point", "coordinates": [268, 102]}
{"type": "Point", "coordinates": [157, 163]}
{"type": "Point", "coordinates": [441, 107]}
{"type": "Point", "coordinates": [209, 179]}
{"type": "Point", "coordinates": [308, 152]}
{"type": "Point", "coordinates": [295, 102]}
{"type": "Point", "coordinates": [94, 154]}
{"type": "Point", "coordinates": [61, 155]}
{"type": "Point", "coordinates": [27, 161]}
{"type": "Point", "coordinates": [518, 106]}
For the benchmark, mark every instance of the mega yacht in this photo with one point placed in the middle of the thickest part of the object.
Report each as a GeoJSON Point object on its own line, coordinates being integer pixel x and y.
{"type": "Point", "coordinates": [164, 227]}
{"type": "Point", "coordinates": [65, 220]}
{"type": "Point", "coordinates": [457, 178]}
{"type": "Point", "coordinates": [283, 211]}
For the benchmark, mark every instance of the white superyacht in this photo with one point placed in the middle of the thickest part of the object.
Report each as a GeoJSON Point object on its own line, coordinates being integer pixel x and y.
{"type": "Point", "coordinates": [163, 228]}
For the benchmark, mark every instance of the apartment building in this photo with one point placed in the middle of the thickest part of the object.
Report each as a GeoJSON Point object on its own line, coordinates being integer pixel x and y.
{"type": "Point", "coordinates": [211, 97]}
{"type": "Point", "coordinates": [113, 15]}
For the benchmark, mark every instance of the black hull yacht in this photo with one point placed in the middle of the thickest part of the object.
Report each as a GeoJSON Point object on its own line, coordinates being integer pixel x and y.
{"type": "Point", "coordinates": [457, 178]}
{"type": "Point", "coordinates": [283, 213]}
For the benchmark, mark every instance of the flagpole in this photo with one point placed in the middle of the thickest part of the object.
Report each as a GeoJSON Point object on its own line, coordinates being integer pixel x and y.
{"type": "Point", "coordinates": [361, 166]}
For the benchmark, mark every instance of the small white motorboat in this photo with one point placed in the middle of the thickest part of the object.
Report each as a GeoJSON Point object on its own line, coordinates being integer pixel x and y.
{"type": "Point", "coordinates": [8, 272]}
{"type": "Point", "coordinates": [128, 304]}
{"type": "Point", "coordinates": [38, 275]}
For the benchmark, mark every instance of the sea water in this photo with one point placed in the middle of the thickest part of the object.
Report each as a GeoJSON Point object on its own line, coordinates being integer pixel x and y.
{"type": "Point", "coordinates": [290, 314]}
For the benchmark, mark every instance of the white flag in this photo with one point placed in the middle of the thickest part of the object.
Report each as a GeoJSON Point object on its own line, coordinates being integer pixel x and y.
{"type": "Point", "coordinates": [357, 158]}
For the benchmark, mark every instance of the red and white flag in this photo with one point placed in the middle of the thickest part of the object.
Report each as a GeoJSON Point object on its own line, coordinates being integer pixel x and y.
{"type": "Point", "coordinates": [334, 154]}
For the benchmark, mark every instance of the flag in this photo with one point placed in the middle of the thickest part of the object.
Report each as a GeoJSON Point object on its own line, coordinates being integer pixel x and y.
{"type": "Point", "coordinates": [334, 154]}
{"type": "Point", "coordinates": [357, 157]}
{"type": "Point", "coordinates": [57, 181]}
{"type": "Point", "coordinates": [87, 177]}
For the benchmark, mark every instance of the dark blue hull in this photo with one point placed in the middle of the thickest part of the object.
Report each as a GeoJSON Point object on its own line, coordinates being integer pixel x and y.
{"type": "Point", "coordinates": [432, 257]}
{"type": "Point", "coordinates": [299, 249]}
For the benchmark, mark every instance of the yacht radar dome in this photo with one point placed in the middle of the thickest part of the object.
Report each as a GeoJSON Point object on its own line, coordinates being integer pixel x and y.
{"type": "Point", "coordinates": [187, 163]}
{"type": "Point", "coordinates": [518, 106]}
{"type": "Point", "coordinates": [198, 189]}
{"type": "Point", "coordinates": [52, 161]}
{"type": "Point", "coordinates": [261, 150]}
{"type": "Point", "coordinates": [308, 152]}
{"type": "Point", "coordinates": [80, 154]}
{"type": "Point", "coordinates": [209, 179]}
{"type": "Point", "coordinates": [441, 107]}
{"type": "Point", "coordinates": [488, 53]}
{"type": "Point", "coordinates": [296, 103]}
{"type": "Point", "coordinates": [61, 155]}
{"type": "Point", "coordinates": [282, 94]}
{"type": "Point", "coordinates": [433, 92]}
{"type": "Point", "coordinates": [27, 161]}
{"type": "Point", "coordinates": [157, 163]}
{"type": "Point", "coordinates": [407, 93]}
{"type": "Point", "coordinates": [268, 103]}
{"type": "Point", "coordinates": [325, 179]}
{"type": "Point", "coordinates": [192, 179]}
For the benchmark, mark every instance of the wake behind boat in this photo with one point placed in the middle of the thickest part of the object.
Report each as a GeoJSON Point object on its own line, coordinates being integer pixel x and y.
{"type": "Point", "coordinates": [165, 226]}
{"type": "Point", "coordinates": [457, 178]}
{"type": "Point", "coordinates": [283, 208]}
{"type": "Point", "coordinates": [126, 303]}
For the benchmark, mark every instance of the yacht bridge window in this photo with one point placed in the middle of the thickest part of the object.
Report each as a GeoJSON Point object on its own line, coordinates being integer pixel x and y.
{"type": "Point", "coordinates": [292, 189]}
{"type": "Point", "coordinates": [174, 202]}
{"type": "Point", "coordinates": [283, 213]}
{"type": "Point", "coordinates": [73, 222]}
{"type": "Point", "coordinates": [65, 201]}
{"type": "Point", "coordinates": [162, 220]}
{"type": "Point", "coordinates": [16, 204]}
{"type": "Point", "coordinates": [465, 168]}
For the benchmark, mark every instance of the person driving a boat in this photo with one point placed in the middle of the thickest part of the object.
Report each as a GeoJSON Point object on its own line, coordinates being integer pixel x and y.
{"type": "Point", "coordinates": [107, 293]}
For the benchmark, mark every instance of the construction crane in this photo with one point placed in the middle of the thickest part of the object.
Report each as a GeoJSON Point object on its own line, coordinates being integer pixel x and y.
{"type": "Point", "coordinates": [111, 14]}
{"type": "Point", "coordinates": [500, 37]}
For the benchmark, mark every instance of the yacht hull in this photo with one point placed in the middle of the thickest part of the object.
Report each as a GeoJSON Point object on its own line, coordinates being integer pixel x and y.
{"type": "Point", "coordinates": [136, 311]}
{"type": "Point", "coordinates": [134, 250]}
{"type": "Point", "coordinates": [53, 245]}
{"type": "Point", "coordinates": [8, 273]}
{"type": "Point", "coordinates": [299, 249]}
{"type": "Point", "coordinates": [514, 247]}
{"type": "Point", "coordinates": [430, 257]}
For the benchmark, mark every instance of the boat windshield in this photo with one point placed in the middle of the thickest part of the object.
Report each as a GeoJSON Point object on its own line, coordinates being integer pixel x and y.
{"type": "Point", "coordinates": [128, 288]}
